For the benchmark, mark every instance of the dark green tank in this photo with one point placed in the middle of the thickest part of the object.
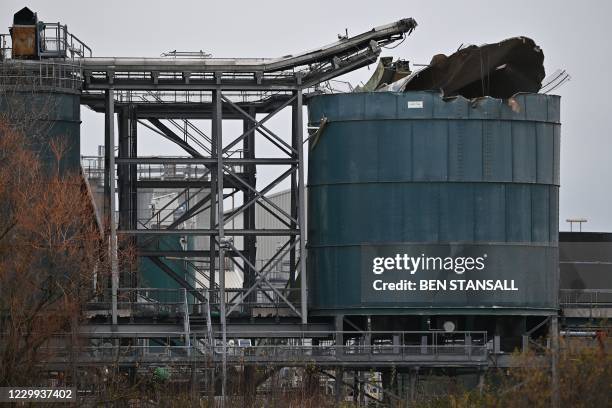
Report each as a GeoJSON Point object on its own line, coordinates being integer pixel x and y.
{"type": "Point", "coordinates": [449, 189]}
{"type": "Point", "coordinates": [42, 100]}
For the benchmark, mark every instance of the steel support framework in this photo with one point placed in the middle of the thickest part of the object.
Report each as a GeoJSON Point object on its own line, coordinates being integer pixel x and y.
{"type": "Point", "coordinates": [121, 171]}
{"type": "Point", "coordinates": [165, 95]}
{"type": "Point", "coordinates": [221, 176]}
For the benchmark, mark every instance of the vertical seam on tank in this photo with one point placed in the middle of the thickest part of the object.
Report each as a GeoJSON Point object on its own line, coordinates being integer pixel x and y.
{"type": "Point", "coordinates": [554, 160]}
{"type": "Point", "coordinates": [438, 187]}
{"type": "Point", "coordinates": [505, 191]}
{"type": "Point", "coordinates": [474, 215]}
{"type": "Point", "coordinates": [537, 151]}
{"type": "Point", "coordinates": [537, 178]}
{"type": "Point", "coordinates": [482, 151]}
{"type": "Point", "coordinates": [482, 175]}
{"type": "Point", "coordinates": [407, 199]}
{"type": "Point", "coordinates": [555, 215]}
{"type": "Point", "coordinates": [411, 151]}
{"type": "Point", "coordinates": [378, 141]}
{"type": "Point", "coordinates": [531, 212]}
{"type": "Point", "coordinates": [448, 161]}
{"type": "Point", "coordinates": [548, 223]}
{"type": "Point", "coordinates": [512, 150]}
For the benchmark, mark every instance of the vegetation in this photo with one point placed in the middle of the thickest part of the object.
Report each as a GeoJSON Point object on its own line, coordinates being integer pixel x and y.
{"type": "Point", "coordinates": [585, 375]}
{"type": "Point", "coordinates": [49, 252]}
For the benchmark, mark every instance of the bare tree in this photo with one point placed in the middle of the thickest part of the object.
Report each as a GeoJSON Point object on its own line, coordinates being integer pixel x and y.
{"type": "Point", "coordinates": [50, 248]}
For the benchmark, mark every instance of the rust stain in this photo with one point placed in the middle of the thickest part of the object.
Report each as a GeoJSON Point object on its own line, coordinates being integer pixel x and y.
{"type": "Point", "coordinates": [24, 41]}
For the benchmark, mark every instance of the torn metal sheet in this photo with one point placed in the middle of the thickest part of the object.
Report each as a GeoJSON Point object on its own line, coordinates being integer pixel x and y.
{"type": "Point", "coordinates": [498, 70]}
{"type": "Point", "coordinates": [386, 72]}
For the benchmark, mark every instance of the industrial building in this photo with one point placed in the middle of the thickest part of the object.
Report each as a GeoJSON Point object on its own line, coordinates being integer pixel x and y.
{"type": "Point", "coordinates": [428, 241]}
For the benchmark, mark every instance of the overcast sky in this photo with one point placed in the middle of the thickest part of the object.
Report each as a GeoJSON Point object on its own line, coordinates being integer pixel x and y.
{"type": "Point", "coordinates": [573, 35]}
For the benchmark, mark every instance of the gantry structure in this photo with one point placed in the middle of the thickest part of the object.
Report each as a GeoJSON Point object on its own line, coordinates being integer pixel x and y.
{"type": "Point", "coordinates": [168, 95]}
{"type": "Point", "coordinates": [182, 89]}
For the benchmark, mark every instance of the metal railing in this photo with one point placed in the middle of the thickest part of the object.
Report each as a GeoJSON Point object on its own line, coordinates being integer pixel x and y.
{"type": "Point", "coordinates": [17, 74]}
{"type": "Point", "coordinates": [167, 302]}
{"type": "Point", "coordinates": [459, 346]}
{"type": "Point", "coordinates": [93, 167]}
{"type": "Point", "coordinates": [57, 42]}
{"type": "Point", "coordinates": [143, 302]}
{"type": "Point", "coordinates": [5, 49]}
{"type": "Point", "coordinates": [585, 298]}
{"type": "Point", "coordinates": [196, 97]}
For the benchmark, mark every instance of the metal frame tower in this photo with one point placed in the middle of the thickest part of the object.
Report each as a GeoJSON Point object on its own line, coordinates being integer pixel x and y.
{"type": "Point", "coordinates": [186, 88]}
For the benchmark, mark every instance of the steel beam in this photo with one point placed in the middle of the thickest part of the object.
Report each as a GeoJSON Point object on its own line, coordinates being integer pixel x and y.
{"type": "Point", "coordinates": [261, 277]}
{"type": "Point", "coordinates": [196, 253]}
{"type": "Point", "coordinates": [110, 176]}
{"type": "Point", "coordinates": [178, 278]}
{"type": "Point", "coordinates": [165, 109]}
{"type": "Point", "coordinates": [260, 195]}
{"type": "Point", "coordinates": [250, 241]}
{"type": "Point", "coordinates": [261, 129]}
{"type": "Point", "coordinates": [203, 160]}
{"type": "Point", "coordinates": [173, 137]}
{"type": "Point", "coordinates": [259, 123]}
{"type": "Point", "coordinates": [286, 328]}
{"type": "Point", "coordinates": [146, 85]}
{"type": "Point", "coordinates": [217, 130]}
{"type": "Point", "coordinates": [302, 202]}
{"type": "Point", "coordinates": [211, 232]}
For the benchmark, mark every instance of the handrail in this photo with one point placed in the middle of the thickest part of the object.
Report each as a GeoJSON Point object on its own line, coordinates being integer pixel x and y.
{"type": "Point", "coordinates": [585, 298]}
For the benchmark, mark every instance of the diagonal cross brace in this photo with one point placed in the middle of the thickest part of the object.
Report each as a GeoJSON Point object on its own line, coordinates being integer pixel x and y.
{"type": "Point", "coordinates": [260, 125]}
{"type": "Point", "coordinates": [173, 137]}
{"type": "Point", "coordinates": [258, 282]}
{"type": "Point", "coordinates": [259, 194]}
{"type": "Point", "coordinates": [178, 278]}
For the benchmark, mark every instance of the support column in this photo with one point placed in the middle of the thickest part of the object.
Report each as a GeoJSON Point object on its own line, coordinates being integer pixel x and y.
{"type": "Point", "coordinates": [554, 328]}
{"type": "Point", "coordinates": [250, 247]}
{"type": "Point", "coordinates": [133, 188]}
{"type": "Point", "coordinates": [413, 383]}
{"type": "Point", "coordinates": [339, 326]}
{"type": "Point", "coordinates": [355, 387]}
{"type": "Point", "coordinates": [339, 384]}
{"type": "Point", "coordinates": [126, 183]}
{"type": "Point", "coordinates": [299, 125]}
{"type": "Point", "coordinates": [362, 388]}
{"type": "Point", "coordinates": [108, 121]}
{"type": "Point", "coordinates": [387, 385]}
{"type": "Point", "coordinates": [295, 193]}
{"type": "Point", "coordinates": [110, 185]}
{"type": "Point", "coordinates": [123, 179]}
{"type": "Point", "coordinates": [339, 372]}
{"type": "Point", "coordinates": [211, 384]}
{"type": "Point", "coordinates": [217, 134]}
{"type": "Point", "coordinates": [123, 182]}
{"type": "Point", "coordinates": [481, 380]}
{"type": "Point", "coordinates": [133, 167]}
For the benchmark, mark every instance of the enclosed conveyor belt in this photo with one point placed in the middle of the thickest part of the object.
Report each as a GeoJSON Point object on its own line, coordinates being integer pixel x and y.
{"type": "Point", "coordinates": [304, 70]}
{"type": "Point", "coordinates": [345, 47]}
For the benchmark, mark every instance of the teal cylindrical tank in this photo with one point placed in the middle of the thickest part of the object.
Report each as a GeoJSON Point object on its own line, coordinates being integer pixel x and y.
{"type": "Point", "coordinates": [150, 276]}
{"type": "Point", "coordinates": [423, 205]}
{"type": "Point", "coordinates": [42, 100]}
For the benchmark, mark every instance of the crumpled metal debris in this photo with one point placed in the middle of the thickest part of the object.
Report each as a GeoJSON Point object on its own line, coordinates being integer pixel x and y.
{"type": "Point", "coordinates": [498, 70]}
{"type": "Point", "coordinates": [386, 72]}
